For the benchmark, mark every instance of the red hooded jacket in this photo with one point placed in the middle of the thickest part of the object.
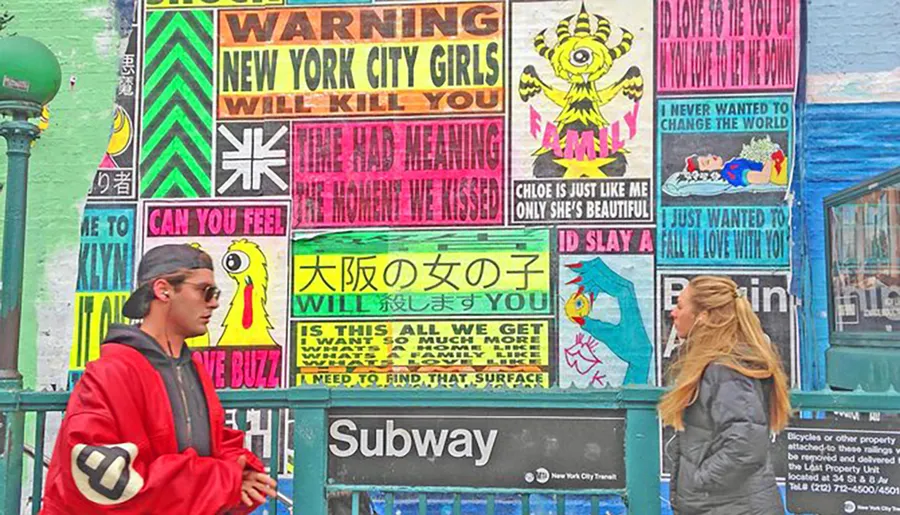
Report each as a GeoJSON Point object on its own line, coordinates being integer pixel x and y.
{"type": "Point", "coordinates": [117, 450]}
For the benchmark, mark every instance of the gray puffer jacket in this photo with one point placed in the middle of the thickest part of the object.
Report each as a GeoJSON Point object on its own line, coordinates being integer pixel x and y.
{"type": "Point", "coordinates": [721, 460]}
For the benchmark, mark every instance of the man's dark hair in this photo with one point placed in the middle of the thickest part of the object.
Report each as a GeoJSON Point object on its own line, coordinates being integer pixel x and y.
{"type": "Point", "coordinates": [179, 276]}
{"type": "Point", "coordinates": [172, 262]}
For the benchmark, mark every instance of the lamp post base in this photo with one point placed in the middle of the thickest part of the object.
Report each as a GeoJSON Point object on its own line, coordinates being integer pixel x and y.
{"type": "Point", "coordinates": [19, 134]}
{"type": "Point", "coordinates": [12, 440]}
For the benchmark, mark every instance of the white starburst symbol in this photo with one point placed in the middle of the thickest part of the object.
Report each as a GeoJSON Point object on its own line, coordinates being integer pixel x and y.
{"type": "Point", "coordinates": [253, 158]}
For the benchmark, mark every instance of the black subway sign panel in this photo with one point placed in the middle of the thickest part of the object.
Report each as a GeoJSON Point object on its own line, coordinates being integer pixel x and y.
{"type": "Point", "coordinates": [500, 448]}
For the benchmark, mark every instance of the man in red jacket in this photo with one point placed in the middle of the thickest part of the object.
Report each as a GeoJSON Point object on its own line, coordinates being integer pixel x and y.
{"type": "Point", "coordinates": [144, 431]}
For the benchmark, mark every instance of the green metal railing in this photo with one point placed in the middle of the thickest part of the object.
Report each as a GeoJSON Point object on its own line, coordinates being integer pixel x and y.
{"type": "Point", "coordinates": [309, 409]}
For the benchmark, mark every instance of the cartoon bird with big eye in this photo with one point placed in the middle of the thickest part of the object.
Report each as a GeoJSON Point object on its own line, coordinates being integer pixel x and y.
{"type": "Point", "coordinates": [247, 321]}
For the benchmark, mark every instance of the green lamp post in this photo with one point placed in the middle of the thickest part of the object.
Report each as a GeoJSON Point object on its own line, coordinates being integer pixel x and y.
{"type": "Point", "coordinates": [29, 78]}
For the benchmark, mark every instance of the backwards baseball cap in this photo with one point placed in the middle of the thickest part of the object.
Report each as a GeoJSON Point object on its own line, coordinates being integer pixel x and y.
{"type": "Point", "coordinates": [158, 262]}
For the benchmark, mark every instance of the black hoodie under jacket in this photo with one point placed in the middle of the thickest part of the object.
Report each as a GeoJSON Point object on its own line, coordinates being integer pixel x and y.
{"type": "Point", "coordinates": [191, 415]}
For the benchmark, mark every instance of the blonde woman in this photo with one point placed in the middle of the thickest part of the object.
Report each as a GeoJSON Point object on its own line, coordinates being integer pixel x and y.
{"type": "Point", "coordinates": [729, 395]}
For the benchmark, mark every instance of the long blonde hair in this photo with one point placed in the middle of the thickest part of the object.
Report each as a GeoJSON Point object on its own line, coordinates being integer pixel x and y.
{"type": "Point", "coordinates": [728, 333]}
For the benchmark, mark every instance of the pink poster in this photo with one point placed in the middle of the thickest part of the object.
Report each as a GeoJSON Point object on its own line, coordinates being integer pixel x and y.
{"type": "Point", "coordinates": [245, 345]}
{"type": "Point", "coordinates": [398, 173]}
{"type": "Point", "coordinates": [726, 45]}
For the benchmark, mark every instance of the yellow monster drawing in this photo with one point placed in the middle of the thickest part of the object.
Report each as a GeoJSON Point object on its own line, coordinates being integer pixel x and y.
{"type": "Point", "coordinates": [581, 58]}
{"type": "Point", "coordinates": [247, 321]}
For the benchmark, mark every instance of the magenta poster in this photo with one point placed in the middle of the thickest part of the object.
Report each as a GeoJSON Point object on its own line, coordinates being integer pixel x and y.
{"type": "Point", "coordinates": [726, 45]}
{"type": "Point", "coordinates": [398, 173]}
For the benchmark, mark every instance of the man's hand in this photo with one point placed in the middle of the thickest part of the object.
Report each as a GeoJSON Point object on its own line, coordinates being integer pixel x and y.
{"type": "Point", "coordinates": [255, 485]}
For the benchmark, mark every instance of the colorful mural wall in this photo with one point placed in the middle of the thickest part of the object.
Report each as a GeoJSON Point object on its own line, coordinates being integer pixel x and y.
{"type": "Point", "coordinates": [464, 194]}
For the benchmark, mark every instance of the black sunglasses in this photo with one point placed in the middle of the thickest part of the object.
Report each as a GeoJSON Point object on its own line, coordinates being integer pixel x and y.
{"type": "Point", "coordinates": [210, 292]}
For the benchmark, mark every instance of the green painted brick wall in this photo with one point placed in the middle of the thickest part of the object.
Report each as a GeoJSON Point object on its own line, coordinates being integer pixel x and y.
{"type": "Point", "coordinates": [85, 37]}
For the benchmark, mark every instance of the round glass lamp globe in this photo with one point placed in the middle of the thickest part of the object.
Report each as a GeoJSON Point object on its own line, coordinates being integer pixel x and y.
{"type": "Point", "coordinates": [29, 71]}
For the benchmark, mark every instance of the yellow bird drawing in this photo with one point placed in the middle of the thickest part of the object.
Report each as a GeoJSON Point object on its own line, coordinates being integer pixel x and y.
{"type": "Point", "coordinates": [247, 321]}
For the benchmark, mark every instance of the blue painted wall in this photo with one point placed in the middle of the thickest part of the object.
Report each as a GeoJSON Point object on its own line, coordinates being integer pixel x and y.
{"type": "Point", "coordinates": [849, 119]}
{"type": "Point", "coordinates": [852, 35]}
{"type": "Point", "coordinates": [851, 51]}
{"type": "Point", "coordinates": [845, 144]}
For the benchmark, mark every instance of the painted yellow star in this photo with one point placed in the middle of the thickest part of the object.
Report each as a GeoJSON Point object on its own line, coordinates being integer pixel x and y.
{"type": "Point", "coordinates": [591, 169]}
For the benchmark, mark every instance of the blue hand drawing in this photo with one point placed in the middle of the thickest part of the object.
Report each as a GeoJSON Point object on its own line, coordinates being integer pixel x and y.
{"type": "Point", "coordinates": [627, 339]}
